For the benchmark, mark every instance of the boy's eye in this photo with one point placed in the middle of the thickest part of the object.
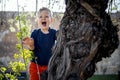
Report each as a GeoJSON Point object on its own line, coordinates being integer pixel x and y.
{"type": "Point", "coordinates": [40, 17]}
{"type": "Point", "coordinates": [46, 16]}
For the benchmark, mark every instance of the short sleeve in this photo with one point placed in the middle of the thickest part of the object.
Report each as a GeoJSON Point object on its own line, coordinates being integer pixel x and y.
{"type": "Point", "coordinates": [34, 34]}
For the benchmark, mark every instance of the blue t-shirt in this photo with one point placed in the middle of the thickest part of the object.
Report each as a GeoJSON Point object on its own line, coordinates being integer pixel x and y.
{"type": "Point", "coordinates": [43, 44]}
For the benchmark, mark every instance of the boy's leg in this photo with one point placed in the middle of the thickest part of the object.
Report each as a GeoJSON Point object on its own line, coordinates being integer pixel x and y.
{"type": "Point", "coordinates": [33, 72]}
{"type": "Point", "coordinates": [42, 69]}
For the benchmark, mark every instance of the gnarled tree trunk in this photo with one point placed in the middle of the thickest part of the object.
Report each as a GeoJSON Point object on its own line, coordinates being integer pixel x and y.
{"type": "Point", "coordinates": [86, 35]}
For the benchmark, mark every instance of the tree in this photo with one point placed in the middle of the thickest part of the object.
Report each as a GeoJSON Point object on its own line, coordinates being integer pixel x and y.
{"type": "Point", "coordinates": [86, 35]}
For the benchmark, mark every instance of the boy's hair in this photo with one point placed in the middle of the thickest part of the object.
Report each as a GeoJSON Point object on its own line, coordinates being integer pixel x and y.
{"type": "Point", "coordinates": [44, 9]}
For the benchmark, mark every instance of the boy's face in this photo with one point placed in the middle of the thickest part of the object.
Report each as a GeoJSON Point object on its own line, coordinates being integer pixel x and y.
{"type": "Point", "coordinates": [44, 19]}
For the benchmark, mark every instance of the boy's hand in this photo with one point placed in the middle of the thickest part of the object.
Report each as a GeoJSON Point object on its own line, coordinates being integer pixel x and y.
{"type": "Point", "coordinates": [27, 41]}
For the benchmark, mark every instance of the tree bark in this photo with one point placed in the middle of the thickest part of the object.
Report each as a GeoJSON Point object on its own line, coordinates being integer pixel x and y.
{"type": "Point", "coordinates": [86, 35]}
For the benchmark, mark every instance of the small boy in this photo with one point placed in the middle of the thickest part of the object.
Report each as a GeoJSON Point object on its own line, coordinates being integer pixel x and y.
{"type": "Point", "coordinates": [41, 42]}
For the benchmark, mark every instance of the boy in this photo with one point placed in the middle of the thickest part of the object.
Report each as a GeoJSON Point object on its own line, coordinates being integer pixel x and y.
{"type": "Point", "coordinates": [41, 42]}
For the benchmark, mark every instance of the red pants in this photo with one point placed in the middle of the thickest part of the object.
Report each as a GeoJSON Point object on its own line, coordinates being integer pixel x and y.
{"type": "Point", "coordinates": [33, 71]}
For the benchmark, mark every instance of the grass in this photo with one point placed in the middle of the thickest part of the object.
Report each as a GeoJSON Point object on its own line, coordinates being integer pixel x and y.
{"type": "Point", "coordinates": [94, 77]}
{"type": "Point", "coordinates": [104, 77]}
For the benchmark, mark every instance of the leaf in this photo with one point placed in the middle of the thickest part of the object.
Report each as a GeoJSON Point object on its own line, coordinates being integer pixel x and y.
{"type": "Point", "coordinates": [114, 8]}
{"type": "Point", "coordinates": [3, 69]}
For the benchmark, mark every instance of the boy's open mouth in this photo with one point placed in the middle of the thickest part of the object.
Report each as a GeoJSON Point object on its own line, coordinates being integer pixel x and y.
{"type": "Point", "coordinates": [44, 23]}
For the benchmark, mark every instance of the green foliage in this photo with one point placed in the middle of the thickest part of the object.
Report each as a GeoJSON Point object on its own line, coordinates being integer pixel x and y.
{"type": "Point", "coordinates": [11, 76]}
{"type": "Point", "coordinates": [1, 76]}
{"type": "Point", "coordinates": [113, 6]}
{"type": "Point", "coordinates": [23, 56]}
{"type": "Point", "coordinates": [3, 69]}
{"type": "Point", "coordinates": [24, 27]}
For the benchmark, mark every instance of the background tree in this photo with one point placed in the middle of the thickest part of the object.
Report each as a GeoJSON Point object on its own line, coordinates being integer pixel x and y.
{"type": "Point", "coordinates": [86, 35]}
